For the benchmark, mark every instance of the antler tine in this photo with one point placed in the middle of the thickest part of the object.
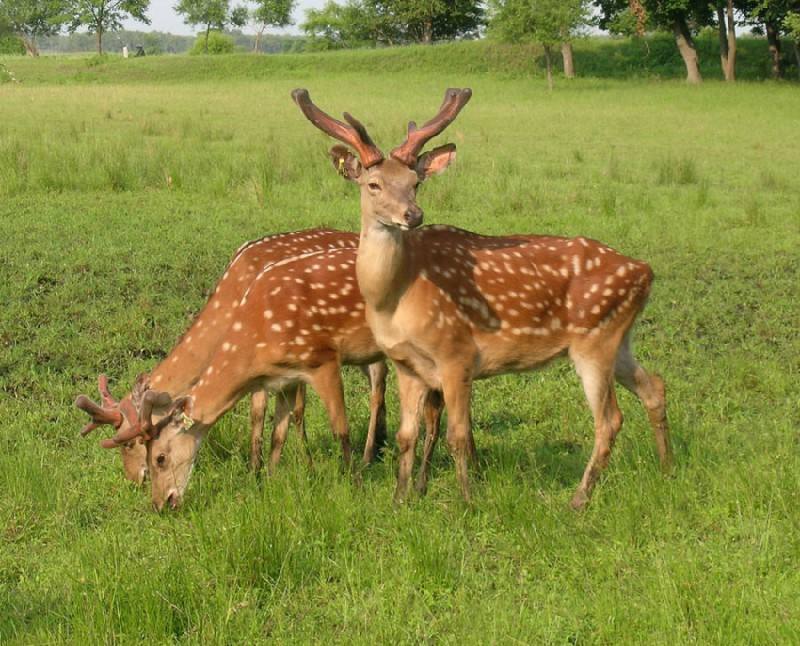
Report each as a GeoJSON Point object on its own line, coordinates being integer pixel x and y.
{"type": "Point", "coordinates": [454, 100]}
{"type": "Point", "coordinates": [354, 134]}
{"type": "Point", "coordinates": [105, 394]}
{"type": "Point", "coordinates": [99, 414]}
{"type": "Point", "coordinates": [142, 425]}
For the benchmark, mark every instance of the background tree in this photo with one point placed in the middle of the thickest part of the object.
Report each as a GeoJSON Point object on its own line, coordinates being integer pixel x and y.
{"type": "Point", "coordinates": [271, 13]}
{"type": "Point", "coordinates": [792, 25]}
{"type": "Point", "coordinates": [392, 22]}
{"type": "Point", "coordinates": [546, 22]}
{"type": "Point", "coordinates": [336, 26]}
{"type": "Point", "coordinates": [428, 20]}
{"type": "Point", "coordinates": [679, 16]}
{"type": "Point", "coordinates": [770, 16]}
{"type": "Point", "coordinates": [101, 16]}
{"type": "Point", "coordinates": [213, 14]}
{"type": "Point", "coordinates": [33, 19]}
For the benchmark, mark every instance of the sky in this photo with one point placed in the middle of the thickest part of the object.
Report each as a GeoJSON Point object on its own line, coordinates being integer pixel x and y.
{"type": "Point", "coordinates": [163, 18]}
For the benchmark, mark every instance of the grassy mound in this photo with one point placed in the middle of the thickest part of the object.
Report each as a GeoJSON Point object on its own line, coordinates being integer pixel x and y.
{"type": "Point", "coordinates": [655, 57]}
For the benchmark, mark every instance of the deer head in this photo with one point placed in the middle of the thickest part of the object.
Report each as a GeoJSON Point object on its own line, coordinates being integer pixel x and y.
{"type": "Point", "coordinates": [172, 444]}
{"type": "Point", "coordinates": [388, 186]}
{"type": "Point", "coordinates": [132, 420]}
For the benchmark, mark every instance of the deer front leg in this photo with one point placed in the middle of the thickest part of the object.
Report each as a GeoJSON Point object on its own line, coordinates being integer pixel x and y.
{"type": "Point", "coordinates": [432, 415]}
{"type": "Point", "coordinates": [327, 381]}
{"type": "Point", "coordinates": [258, 409]}
{"type": "Point", "coordinates": [376, 434]}
{"type": "Point", "coordinates": [457, 390]}
{"type": "Point", "coordinates": [284, 401]}
{"type": "Point", "coordinates": [413, 392]}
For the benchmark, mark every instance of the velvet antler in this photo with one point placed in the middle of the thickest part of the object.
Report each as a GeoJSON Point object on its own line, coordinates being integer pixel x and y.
{"type": "Point", "coordinates": [106, 413]}
{"type": "Point", "coordinates": [354, 135]}
{"type": "Point", "coordinates": [454, 100]}
{"type": "Point", "coordinates": [144, 426]}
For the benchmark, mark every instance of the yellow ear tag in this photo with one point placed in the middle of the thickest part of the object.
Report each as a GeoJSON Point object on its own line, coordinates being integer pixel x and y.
{"type": "Point", "coordinates": [187, 421]}
{"type": "Point", "coordinates": [342, 170]}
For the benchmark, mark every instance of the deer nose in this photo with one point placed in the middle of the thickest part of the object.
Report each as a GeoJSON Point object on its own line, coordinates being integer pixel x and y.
{"type": "Point", "coordinates": [413, 216]}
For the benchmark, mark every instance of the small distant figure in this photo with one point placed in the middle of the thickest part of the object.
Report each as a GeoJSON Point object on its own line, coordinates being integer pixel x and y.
{"type": "Point", "coordinates": [124, 51]}
{"type": "Point", "coordinates": [139, 51]}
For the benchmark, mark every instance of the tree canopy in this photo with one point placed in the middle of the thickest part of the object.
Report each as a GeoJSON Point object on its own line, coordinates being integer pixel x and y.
{"type": "Point", "coordinates": [101, 16]}
{"type": "Point", "coordinates": [33, 19]}
{"type": "Point", "coordinates": [212, 14]}
{"type": "Point", "coordinates": [392, 22]}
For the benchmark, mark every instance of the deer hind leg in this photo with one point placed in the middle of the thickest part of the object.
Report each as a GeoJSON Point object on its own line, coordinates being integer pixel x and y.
{"type": "Point", "coordinates": [376, 434]}
{"type": "Point", "coordinates": [650, 390]}
{"type": "Point", "coordinates": [596, 372]}
{"type": "Point", "coordinates": [457, 391]}
{"type": "Point", "coordinates": [413, 392]}
{"type": "Point", "coordinates": [299, 420]}
{"type": "Point", "coordinates": [258, 410]}
{"type": "Point", "coordinates": [283, 416]}
{"type": "Point", "coordinates": [327, 381]}
{"type": "Point", "coordinates": [432, 414]}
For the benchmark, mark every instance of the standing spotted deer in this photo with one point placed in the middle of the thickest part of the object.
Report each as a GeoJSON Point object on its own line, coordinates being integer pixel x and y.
{"type": "Point", "coordinates": [449, 306]}
{"type": "Point", "coordinates": [296, 323]}
{"type": "Point", "coordinates": [186, 361]}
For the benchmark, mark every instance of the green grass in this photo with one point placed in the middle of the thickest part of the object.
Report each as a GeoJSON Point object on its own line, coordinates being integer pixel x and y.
{"type": "Point", "coordinates": [104, 258]}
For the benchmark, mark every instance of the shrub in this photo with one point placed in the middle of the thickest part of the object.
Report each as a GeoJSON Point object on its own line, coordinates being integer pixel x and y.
{"type": "Point", "coordinates": [11, 45]}
{"type": "Point", "coordinates": [6, 75]}
{"type": "Point", "coordinates": [218, 43]}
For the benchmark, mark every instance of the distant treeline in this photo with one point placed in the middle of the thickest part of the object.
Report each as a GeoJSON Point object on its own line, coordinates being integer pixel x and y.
{"type": "Point", "coordinates": [155, 42]}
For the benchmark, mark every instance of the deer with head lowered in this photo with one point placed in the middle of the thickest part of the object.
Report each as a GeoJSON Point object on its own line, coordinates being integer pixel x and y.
{"type": "Point", "coordinates": [186, 361]}
{"type": "Point", "coordinates": [449, 306]}
{"type": "Point", "coordinates": [296, 323]}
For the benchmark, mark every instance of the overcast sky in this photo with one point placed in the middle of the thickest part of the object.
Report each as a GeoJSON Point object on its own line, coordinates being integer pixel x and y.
{"type": "Point", "coordinates": [163, 17]}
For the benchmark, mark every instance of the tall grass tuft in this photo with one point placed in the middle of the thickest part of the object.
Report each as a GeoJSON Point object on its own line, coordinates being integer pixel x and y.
{"type": "Point", "coordinates": [680, 170]}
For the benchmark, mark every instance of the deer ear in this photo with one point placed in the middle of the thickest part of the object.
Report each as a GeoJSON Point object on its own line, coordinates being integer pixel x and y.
{"type": "Point", "coordinates": [436, 161]}
{"type": "Point", "coordinates": [345, 163]}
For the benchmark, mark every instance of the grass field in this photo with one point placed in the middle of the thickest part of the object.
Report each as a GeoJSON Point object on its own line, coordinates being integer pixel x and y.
{"type": "Point", "coordinates": [120, 205]}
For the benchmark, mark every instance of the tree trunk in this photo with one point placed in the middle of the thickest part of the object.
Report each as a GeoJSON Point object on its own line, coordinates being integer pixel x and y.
{"type": "Point", "coordinates": [205, 45]}
{"type": "Point", "coordinates": [99, 41]}
{"type": "Point", "coordinates": [774, 41]}
{"type": "Point", "coordinates": [796, 45]}
{"type": "Point", "coordinates": [30, 45]}
{"type": "Point", "coordinates": [259, 33]}
{"type": "Point", "coordinates": [427, 32]}
{"type": "Point", "coordinates": [683, 38]}
{"type": "Point", "coordinates": [723, 41]}
{"type": "Point", "coordinates": [548, 58]}
{"type": "Point", "coordinates": [730, 67]}
{"type": "Point", "coordinates": [569, 61]}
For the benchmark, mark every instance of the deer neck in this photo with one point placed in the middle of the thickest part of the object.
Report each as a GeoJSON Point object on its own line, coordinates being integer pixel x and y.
{"type": "Point", "coordinates": [180, 369]}
{"type": "Point", "coordinates": [384, 265]}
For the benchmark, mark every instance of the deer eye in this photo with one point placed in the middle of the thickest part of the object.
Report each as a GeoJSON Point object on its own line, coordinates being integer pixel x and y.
{"type": "Point", "coordinates": [373, 186]}
{"type": "Point", "coordinates": [161, 459]}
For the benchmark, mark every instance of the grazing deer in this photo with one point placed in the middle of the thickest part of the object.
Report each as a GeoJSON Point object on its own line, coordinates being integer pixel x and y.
{"type": "Point", "coordinates": [183, 365]}
{"type": "Point", "coordinates": [449, 306]}
{"type": "Point", "coordinates": [299, 320]}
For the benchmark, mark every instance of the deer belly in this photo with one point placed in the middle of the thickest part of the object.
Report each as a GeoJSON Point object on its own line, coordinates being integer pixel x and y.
{"type": "Point", "coordinates": [517, 356]}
